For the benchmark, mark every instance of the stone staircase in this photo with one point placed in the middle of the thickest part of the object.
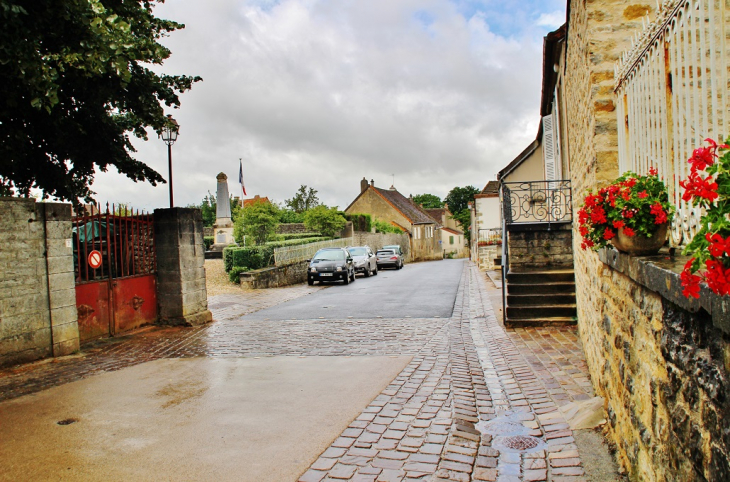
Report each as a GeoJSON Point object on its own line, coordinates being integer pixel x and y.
{"type": "Point", "coordinates": [541, 297]}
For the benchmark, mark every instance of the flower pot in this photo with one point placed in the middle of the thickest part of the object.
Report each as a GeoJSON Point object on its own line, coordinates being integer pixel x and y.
{"type": "Point", "coordinates": [641, 245]}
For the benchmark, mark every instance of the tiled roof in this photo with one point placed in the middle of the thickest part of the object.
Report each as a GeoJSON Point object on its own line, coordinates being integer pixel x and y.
{"type": "Point", "coordinates": [453, 231]}
{"type": "Point", "coordinates": [256, 199]}
{"type": "Point", "coordinates": [436, 213]}
{"type": "Point", "coordinates": [410, 210]}
{"type": "Point", "coordinates": [492, 187]}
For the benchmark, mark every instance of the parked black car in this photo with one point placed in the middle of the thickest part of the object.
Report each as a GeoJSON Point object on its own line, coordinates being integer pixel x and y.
{"type": "Point", "coordinates": [364, 260]}
{"type": "Point", "coordinates": [389, 258]}
{"type": "Point", "coordinates": [331, 264]}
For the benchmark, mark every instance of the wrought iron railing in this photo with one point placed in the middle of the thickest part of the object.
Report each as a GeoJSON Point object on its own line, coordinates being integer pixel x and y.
{"type": "Point", "coordinates": [537, 202]}
{"type": "Point", "coordinates": [293, 254]}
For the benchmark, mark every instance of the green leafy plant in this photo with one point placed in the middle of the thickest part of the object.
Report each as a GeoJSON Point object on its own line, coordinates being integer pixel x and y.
{"type": "Point", "coordinates": [383, 227]}
{"type": "Point", "coordinates": [633, 204]}
{"type": "Point", "coordinates": [208, 242]}
{"type": "Point", "coordinates": [235, 274]}
{"type": "Point", "coordinates": [360, 222]}
{"type": "Point", "coordinates": [710, 247]}
{"type": "Point", "coordinates": [258, 220]}
{"type": "Point", "coordinates": [322, 219]}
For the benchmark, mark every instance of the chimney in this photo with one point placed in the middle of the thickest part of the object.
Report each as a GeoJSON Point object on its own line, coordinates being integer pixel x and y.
{"type": "Point", "coordinates": [372, 182]}
{"type": "Point", "coordinates": [363, 185]}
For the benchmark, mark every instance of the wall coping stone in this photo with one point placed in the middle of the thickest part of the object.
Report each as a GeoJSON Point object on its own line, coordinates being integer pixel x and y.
{"type": "Point", "coordinates": [661, 273]}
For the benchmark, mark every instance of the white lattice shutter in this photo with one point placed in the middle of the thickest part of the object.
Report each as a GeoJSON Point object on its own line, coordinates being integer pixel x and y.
{"type": "Point", "coordinates": [548, 148]}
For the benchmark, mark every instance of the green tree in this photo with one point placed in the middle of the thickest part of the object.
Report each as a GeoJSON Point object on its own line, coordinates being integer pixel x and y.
{"type": "Point", "coordinates": [75, 87]}
{"type": "Point", "coordinates": [428, 201]}
{"type": "Point", "coordinates": [257, 221]}
{"type": "Point", "coordinates": [304, 200]}
{"type": "Point", "coordinates": [324, 220]}
{"type": "Point", "coordinates": [458, 201]}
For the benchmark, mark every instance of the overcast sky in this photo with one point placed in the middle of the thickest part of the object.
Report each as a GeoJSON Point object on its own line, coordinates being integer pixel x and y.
{"type": "Point", "coordinates": [437, 93]}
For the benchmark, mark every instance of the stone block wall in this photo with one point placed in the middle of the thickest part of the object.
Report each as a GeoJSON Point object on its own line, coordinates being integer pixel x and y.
{"type": "Point", "coordinates": [660, 362]}
{"type": "Point", "coordinates": [378, 240]}
{"type": "Point", "coordinates": [275, 277]}
{"type": "Point", "coordinates": [181, 290]}
{"type": "Point", "coordinates": [37, 291]}
{"type": "Point", "coordinates": [291, 228]}
{"type": "Point", "coordinates": [540, 249]}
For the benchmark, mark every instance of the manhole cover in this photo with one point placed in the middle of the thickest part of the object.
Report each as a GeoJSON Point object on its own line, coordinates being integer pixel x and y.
{"type": "Point", "coordinates": [520, 442]}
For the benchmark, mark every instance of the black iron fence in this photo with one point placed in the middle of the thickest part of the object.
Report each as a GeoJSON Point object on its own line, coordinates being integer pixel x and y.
{"type": "Point", "coordinates": [537, 202]}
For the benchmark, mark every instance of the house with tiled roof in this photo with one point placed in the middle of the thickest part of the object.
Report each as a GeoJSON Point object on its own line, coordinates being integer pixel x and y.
{"type": "Point", "coordinates": [388, 205]}
{"type": "Point", "coordinates": [486, 224]}
{"type": "Point", "coordinates": [452, 237]}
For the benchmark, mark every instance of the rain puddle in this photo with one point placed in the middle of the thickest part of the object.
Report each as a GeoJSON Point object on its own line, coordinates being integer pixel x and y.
{"type": "Point", "coordinates": [509, 434]}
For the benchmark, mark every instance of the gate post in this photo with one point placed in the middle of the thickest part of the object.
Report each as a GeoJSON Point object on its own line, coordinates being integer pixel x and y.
{"type": "Point", "coordinates": [181, 292]}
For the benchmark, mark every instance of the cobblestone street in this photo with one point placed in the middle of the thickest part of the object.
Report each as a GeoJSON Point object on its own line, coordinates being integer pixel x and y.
{"type": "Point", "coordinates": [475, 402]}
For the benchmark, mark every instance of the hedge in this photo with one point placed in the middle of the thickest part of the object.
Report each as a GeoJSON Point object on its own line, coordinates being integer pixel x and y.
{"type": "Point", "coordinates": [257, 257]}
{"type": "Point", "coordinates": [208, 242]}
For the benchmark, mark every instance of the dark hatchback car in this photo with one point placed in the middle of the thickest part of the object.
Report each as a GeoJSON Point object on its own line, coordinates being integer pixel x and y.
{"type": "Point", "coordinates": [331, 264]}
{"type": "Point", "coordinates": [389, 258]}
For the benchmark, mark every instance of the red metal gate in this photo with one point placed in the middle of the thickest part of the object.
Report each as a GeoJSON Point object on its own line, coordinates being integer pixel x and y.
{"type": "Point", "coordinates": [120, 293]}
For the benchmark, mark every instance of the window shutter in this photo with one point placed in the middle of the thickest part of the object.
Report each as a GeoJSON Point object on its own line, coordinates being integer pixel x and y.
{"type": "Point", "coordinates": [548, 147]}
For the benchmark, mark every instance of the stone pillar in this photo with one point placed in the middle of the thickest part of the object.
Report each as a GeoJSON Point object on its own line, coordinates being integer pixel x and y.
{"type": "Point", "coordinates": [181, 292]}
{"type": "Point", "coordinates": [223, 227]}
{"type": "Point", "coordinates": [38, 315]}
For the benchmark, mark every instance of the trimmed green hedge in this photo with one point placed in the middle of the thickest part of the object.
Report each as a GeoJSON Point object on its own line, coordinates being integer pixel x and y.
{"type": "Point", "coordinates": [208, 242]}
{"type": "Point", "coordinates": [257, 257]}
{"type": "Point", "coordinates": [290, 236]}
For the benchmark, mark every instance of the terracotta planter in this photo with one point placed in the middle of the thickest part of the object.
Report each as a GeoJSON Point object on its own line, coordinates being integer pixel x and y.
{"type": "Point", "coordinates": [641, 245]}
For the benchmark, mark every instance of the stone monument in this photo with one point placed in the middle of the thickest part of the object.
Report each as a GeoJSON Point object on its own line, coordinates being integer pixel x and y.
{"type": "Point", "coordinates": [223, 227]}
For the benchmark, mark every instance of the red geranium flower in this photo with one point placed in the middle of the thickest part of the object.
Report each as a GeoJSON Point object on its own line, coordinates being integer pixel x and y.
{"type": "Point", "coordinates": [618, 224]}
{"type": "Point", "coordinates": [718, 245]}
{"type": "Point", "coordinates": [690, 282]}
{"type": "Point", "coordinates": [629, 232]}
{"type": "Point", "coordinates": [643, 194]}
{"type": "Point", "coordinates": [695, 186]}
{"type": "Point", "coordinates": [608, 234]}
{"type": "Point", "coordinates": [660, 216]}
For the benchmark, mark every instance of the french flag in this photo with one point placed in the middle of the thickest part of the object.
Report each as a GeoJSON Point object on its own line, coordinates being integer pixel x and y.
{"type": "Point", "coordinates": [240, 176]}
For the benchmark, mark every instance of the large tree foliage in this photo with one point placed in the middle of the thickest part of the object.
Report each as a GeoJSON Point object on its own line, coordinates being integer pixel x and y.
{"type": "Point", "coordinates": [428, 201]}
{"type": "Point", "coordinates": [75, 86]}
{"type": "Point", "coordinates": [458, 201]}
{"type": "Point", "coordinates": [258, 221]}
{"type": "Point", "coordinates": [324, 220]}
{"type": "Point", "coordinates": [304, 199]}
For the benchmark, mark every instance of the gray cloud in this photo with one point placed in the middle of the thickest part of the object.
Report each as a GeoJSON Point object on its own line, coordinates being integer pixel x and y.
{"type": "Point", "coordinates": [325, 92]}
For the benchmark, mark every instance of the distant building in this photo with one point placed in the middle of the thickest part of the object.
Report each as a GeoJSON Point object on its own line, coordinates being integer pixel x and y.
{"type": "Point", "coordinates": [254, 200]}
{"type": "Point", "coordinates": [388, 205]}
{"type": "Point", "coordinates": [452, 236]}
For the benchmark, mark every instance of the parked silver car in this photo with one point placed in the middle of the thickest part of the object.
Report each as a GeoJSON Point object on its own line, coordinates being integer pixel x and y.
{"type": "Point", "coordinates": [397, 249]}
{"type": "Point", "coordinates": [364, 260]}
{"type": "Point", "coordinates": [389, 258]}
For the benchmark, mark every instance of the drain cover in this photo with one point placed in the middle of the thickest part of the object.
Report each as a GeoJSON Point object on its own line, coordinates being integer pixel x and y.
{"type": "Point", "coordinates": [67, 421]}
{"type": "Point", "coordinates": [520, 442]}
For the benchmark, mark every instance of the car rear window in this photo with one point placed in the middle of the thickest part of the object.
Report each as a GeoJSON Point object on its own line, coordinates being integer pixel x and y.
{"type": "Point", "coordinates": [386, 252]}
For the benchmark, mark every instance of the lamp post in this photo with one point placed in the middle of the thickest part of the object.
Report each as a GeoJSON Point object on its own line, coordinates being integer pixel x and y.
{"type": "Point", "coordinates": [169, 136]}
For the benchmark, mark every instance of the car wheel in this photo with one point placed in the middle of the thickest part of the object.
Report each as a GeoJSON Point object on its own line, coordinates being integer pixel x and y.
{"type": "Point", "coordinates": [397, 266]}
{"type": "Point", "coordinates": [353, 275]}
{"type": "Point", "coordinates": [367, 273]}
{"type": "Point", "coordinates": [375, 271]}
{"type": "Point", "coordinates": [346, 280]}
{"type": "Point", "coordinates": [310, 281]}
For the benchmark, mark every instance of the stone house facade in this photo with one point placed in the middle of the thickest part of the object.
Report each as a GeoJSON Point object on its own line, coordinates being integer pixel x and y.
{"type": "Point", "coordinates": [452, 237]}
{"type": "Point", "coordinates": [660, 361]}
{"type": "Point", "coordinates": [390, 206]}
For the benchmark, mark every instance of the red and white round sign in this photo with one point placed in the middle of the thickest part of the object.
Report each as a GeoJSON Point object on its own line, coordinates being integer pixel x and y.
{"type": "Point", "coordinates": [95, 259]}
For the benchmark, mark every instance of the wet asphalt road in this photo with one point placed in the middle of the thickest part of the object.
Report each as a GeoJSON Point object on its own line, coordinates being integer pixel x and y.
{"type": "Point", "coordinates": [419, 290]}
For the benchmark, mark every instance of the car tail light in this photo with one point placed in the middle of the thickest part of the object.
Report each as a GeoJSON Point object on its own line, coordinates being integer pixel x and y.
{"type": "Point", "coordinates": [394, 257]}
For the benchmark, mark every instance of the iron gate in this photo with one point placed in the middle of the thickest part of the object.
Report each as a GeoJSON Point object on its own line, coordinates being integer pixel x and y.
{"type": "Point", "coordinates": [120, 294]}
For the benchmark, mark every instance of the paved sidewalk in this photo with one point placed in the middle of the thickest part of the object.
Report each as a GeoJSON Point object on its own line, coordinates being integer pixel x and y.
{"type": "Point", "coordinates": [477, 403]}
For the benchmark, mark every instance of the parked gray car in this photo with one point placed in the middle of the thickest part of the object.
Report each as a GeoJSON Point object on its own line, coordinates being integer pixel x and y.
{"type": "Point", "coordinates": [364, 260]}
{"type": "Point", "coordinates": [397, 249]}
{"type": "Point", "coordinates": [389, 258]}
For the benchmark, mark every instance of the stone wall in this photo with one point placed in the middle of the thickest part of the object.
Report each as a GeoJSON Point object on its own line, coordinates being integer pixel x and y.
{"type": "Point", "coordinates": [291, 228]}
{"type": "Point", "coordinates": [660, 362]}
{"type": "Point", "coordinates": [37, 292]}
{"type": "Point", "coordinates": [378, 240]}
{"type": "Point", "coordinates": [540, 249]}
{"type": "Point", "coordinates": [275, 277]}
{"type": "Point", "coordinates": [181, 290]}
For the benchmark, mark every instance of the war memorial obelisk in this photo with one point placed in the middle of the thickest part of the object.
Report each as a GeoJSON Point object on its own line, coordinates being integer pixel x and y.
{"type": "Point", "coordinates": [223, 227]}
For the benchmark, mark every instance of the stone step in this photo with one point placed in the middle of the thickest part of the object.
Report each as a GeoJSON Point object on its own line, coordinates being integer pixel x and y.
{"type": "Point", "coordinates": [542, 321]}
{"type": "Point", "coordinates": [540, 276]}
{"type": "Point", "coordinates": [541, 311]}
{"type": "Point", "coordinates": [547, 299]}
{"type": "Point", "coordinates": [541, 288]}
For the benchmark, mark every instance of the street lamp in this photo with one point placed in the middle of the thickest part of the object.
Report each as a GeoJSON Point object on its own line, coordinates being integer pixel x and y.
{"type": "Point", "coordinates": [169, 136]}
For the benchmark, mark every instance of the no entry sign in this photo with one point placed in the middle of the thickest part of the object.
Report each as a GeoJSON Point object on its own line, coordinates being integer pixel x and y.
{"type": "Point", "coordinates": [95, 259]}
